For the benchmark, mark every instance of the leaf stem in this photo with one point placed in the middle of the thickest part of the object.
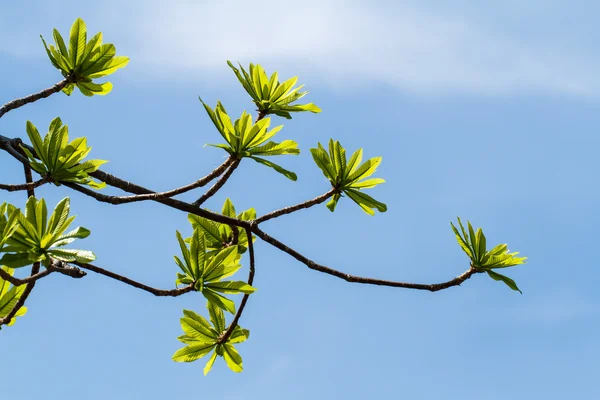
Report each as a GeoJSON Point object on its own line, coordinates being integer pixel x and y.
{"type": "Point", "coordinates": [288, 210]}
{"type": "Point", "coordinates": [131, 282]}
{"type": "Point", "coordinates": [357, 279]}
{"type": "Point", "coordinates": [218, 184]}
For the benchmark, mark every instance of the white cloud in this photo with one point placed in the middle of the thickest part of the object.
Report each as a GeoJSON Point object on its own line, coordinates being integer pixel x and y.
{"type": "Point", "coordinates": [408, 46]}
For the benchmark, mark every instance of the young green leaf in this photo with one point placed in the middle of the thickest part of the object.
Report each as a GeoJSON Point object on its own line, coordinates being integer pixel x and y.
{"type": "Point", "coordinates": [474, 245]}
{"type": "Point", "coordinates": [83, 60]}
{"type": "Point", "coordinates": [201, 338]}
{"type": "Point", "coordinates": [509, 282]}
{"type": "Point", "coordinates": [61, 161]}
{"type": "Point", "coordinates": [270, 95]}
{"type": "Point", "coordinates": [37, 238]}
{"type": "Point", "coordinates": [346, 176]}
{"type": "Point", "coordinates": [247, 139]}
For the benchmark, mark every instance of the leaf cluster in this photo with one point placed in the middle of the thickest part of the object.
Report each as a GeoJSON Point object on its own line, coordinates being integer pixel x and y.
{"type": "Point", "coordinates": [349, 177]}
{"type": "Point", "coordinates": [218, 236]}
{"type": "Point", "coordinates": [37, 238]}
{"type": "Point", "coordinates": [206, 272]}
{"type": "Point", "coordinates": [247, 139]}
{"type": "Point", "coordinates": [474, 245]}
{"type": "Point", "coordinates": [270, 95]}
{"type": "Point", "coordinates": [60, 160]}
{"type": "Point", "coordinates": [84, 60]}
{"type": "Point", "coordinates": [201, 337]}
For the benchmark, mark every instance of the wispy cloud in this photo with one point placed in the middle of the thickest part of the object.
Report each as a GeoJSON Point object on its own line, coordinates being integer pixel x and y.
{"type": "Point", "coordinates": [406, 45]}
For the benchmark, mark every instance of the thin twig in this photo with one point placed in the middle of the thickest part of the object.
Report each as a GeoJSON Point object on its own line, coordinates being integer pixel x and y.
{"type": "Point", "coordinates": [177, 204]}
{"type": "Point", "coordinates": [7, 145]}
{"type": "Point", "coordinates": [130, 187]}
{"type": "Point", "coordinates": [357, 279]}
{"type": "Point", "coordinates": [13, 144]}
{"type": "Point", "coordinates": [24, 186]}
{"type": "Point", "coordinates": [236, 319]}
{"type": "Point", "coordinates": [156, 292]}
{"type": "Point", "coordinates": [218, 184]}
{"type": "Point", "coordinates": [18, 282]}
{"type": "Point", "coordinates": [162, 195]}
{"type": "Point", "coordinates": [56, 266]}
{"type": "Point", "coordinates": [29, 180]}
{"type": "Point", "coordinates": [11, 105]}
{"type": "Point", "coordinates": [288, 210]}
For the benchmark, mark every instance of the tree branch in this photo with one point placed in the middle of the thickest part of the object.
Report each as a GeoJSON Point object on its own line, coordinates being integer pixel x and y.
{"type": "Point", "coordinates": [218, 184]}
{"type": "Point", "coordinates": [236, 319]}
{"type": "Point", "coordinates": [131, 282]}
{"type": "Point", "coordinates": [162, 195]}
{"type": "Point", "coordinates": [18, 282]}
{"type": "Point", "coordinates": [357, 279]}
{"type": "Point", "coordinates": [56, 266]}
{"type": "Point", "coordinates": [13, 144]}
{"type": "Point", "coordinates": [11, 105]}
{"type": "Point", "coordinates": [251, 225]}
{"type": "Point", "coordinates": [5, 144]}
{"type": "Point", "coordinates": [288, 210]}
{"type": "Point", "coordinates": [24, 186]}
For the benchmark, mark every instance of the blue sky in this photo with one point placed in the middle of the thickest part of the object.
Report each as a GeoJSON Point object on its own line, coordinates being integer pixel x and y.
{"type": "Point", "coordinates": [488, 113]}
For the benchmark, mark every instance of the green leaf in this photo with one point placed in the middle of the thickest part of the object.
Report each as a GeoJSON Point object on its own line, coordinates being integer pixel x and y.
{"type": "Point", "coordinates": [17, 260]}
{"type": "Point", "coordinates": [462, 241]}
{"type": "Point", "coordinates": [228, 208]}
{"type": "Point", "coordinates": [225, 257]}
{"type": "Point", "coordinates": [284, 172]}
{"type": "Point", "coordinates": [231, 287]}
{"type": "Point", "coordinates": [333, 202]}
{"type": "Point", "coordinates": [197, 328]}
{"type": "Point", "coordinates": [209, 363]}
{"type": "Point", "coordinates": [509, 282]}
{"type": "Point", "coordinates": [275, 149]}
{"type": "Point", "coordinates": [239, 335]}
{"type": "Point", "coordinates": [216, 317]}
{"type": "Point", "coordinates": [197, 253]}
{"type": "Point", "coordinates": [220, 301]}
{"type": "Point", "coordinates": [365, 170]}
{"type": "Point", "coordinates": [193, 352]}
{"type": "Point", "coordinates": [70, 255]}
{"type": "Point", "coordinates": [109, 67]}
{"type": "Point", "coordinates": [232, 358]}
{"type": "Point", "coordinates": [366, 202]}
{"type": "Point", "coordinates": [367, 184]}
{"type": "Point", "coordinates": [77, 41]}
{"type": "Point", "coordinates": [9, 296]}
{"type": "Point", "coordinates": [210, 229]}
{"type": "Point", "coordinates": [324, 163]}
